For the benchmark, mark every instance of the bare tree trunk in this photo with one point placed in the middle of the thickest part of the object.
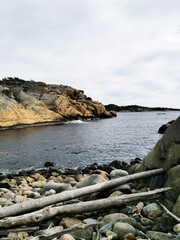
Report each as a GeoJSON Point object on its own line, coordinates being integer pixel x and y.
{"type": "Point", "coordinates": [82, 207]}
{"type": "Point", "coordinates": [67, 195]}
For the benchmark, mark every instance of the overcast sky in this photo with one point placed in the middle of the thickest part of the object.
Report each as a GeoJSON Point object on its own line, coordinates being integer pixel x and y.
{"type": "Point", "coordinates": [117, 51]}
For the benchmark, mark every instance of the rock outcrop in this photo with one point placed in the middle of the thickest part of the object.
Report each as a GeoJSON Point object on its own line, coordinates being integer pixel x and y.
{"type": "Point", "coordinates": [164, 127]}
{"type": "Point", "coordinates": [24, 103]}
{"type": "Point", "coordinates": [166, 155]}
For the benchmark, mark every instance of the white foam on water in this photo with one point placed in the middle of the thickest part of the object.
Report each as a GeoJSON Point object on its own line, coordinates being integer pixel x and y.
{"type": "Point", "coordinates": [75, 122]}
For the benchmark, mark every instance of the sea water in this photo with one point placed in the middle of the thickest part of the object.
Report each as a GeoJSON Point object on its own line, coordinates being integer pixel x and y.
{"type": "Point", "coordinates": [79, 143]}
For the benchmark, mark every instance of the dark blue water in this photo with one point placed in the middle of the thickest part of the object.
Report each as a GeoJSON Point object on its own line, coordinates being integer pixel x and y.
{"type": "Point", "coordinates": [77, 144]}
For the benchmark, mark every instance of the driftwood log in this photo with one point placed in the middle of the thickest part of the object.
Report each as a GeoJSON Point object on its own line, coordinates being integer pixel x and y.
{"type": "Point", "coordinates": [82, 207]}
{"type": "Point", "coordinates": [36, 204]}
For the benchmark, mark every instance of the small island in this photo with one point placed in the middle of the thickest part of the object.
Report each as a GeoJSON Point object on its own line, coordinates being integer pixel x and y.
{"type": "Point", "coordinates": [136, 108]}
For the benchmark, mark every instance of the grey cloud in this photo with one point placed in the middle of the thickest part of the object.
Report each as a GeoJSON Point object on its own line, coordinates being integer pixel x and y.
{"type": "Point", "coordinates": [116, 51]}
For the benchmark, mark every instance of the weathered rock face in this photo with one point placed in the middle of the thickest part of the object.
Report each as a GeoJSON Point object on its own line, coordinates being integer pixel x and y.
{"type": "Point", "coordinates": [166, 155]}
{"type": "Point", "coordinates": [28, 102]}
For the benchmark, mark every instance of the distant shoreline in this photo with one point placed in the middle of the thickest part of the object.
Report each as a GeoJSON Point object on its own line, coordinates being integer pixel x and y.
{"type": "Point", "coordinates": [136, 108]}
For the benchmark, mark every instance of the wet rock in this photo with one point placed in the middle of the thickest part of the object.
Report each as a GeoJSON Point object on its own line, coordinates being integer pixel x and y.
{"type": "Point", "coordinates": [85, 234]}
{"type": "Point", "coordinates": [52, 178]}
{"type": "Point", "coordinates": [5, 184]}
{"type": "Point", "coordinates": [3, 201]}
{"type": "Point", "coordinates": [55, 174]}
{"type": "Point", "coordinates": [111, 235]}
{"type": "Point", "coordinates": [35, 175]}
{"type": "Point", "coordinates": [122, 229]}
{"type": "Point", "coordinates": [38, 184]}
{"type": "Point", "coordinates": [48, 232]}
{"type": "Point", "coordinates": [71, 222]}
{"type": "Point", "coordinates": [29, 179]}
{"type": "Point", "coordinates": [66, 237]}
{"type": "Point", "coordinates": [74, 172]}
{"type": "Point", "coordinates": [68, 180]}
{"type": "Point", "coordinates": [4, 190]}
{"type": "Point", "coordinates": [58, 187]}
{"type": "Point", "coordinates": [117, 164]}
{"type": "Point", "coordinates": [41, 178]}
{"type": "Point", "coordinates": [152, 215]}
{"type": "Point", "coordinates": [9, 195]}
{"type": "Point", "coordinates": [125, 188]}
{"type": "Point", "coordinates": [176, 207]}
{"type": "Point", "coordinates": [59, 179]}
{"type": "Point", "coordinates": [115, 217]}
{"type": "Point", "coordinates": [147, 222]}
{"type": "Point", "coordinates": [129, 236]}
{"type": "Point", "coordinates": [89, 221]}
{"type": "Point", "coordinates": [91, 180]}
{"type": "Point", "coordinates": [106, 227]}
{"type": "Point", "coordinates": [142, 228]}
{"type": "Point", "coordinates": [102, 173]}
{"type": "Point", "coordinates": [164, 127]}
{"type": "Point", "coordinates": [107, 168]}
{"type": "Point", "coordinates": [20, 199]}
{"type": "Point", "coordinates": [160, 236]}
{"type": "Point", "coordinates": [116, 194]}
{"type": "Point", "coordinates": [33, 195]}
{"type": "Point", "coordinates": [68, 222]}
{"type": "Point", "coordinates": [152, 207]}
{"type": "Point", "coordinates": [164, 223]}
{"type": "Point", "coordinates": [118, 173]}
{"type": "Point", "coordinates": [17, 236]}
{"type": "Point", "coordinates": [49, 164]}
{"type": "Point", "coordinates": [2, 176]}
{"type": "Point", "coordinates": [50, 192]}
{"type": "Point", "coordinates": [176, 228]}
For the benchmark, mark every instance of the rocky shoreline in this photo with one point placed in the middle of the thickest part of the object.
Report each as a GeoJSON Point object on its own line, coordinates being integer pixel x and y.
{"type": "Point", "coordinates": [138, 220]}
{"type": "Point", "coordinates": [29, 103]}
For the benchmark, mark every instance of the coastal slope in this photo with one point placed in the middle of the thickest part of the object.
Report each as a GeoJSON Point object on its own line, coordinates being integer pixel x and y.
{"type": "Point", "coordinates": [24, 103]}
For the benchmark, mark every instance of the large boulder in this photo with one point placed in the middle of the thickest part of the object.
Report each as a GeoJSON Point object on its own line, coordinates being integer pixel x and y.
{"type": "Point", "coordinates": [166, 155]}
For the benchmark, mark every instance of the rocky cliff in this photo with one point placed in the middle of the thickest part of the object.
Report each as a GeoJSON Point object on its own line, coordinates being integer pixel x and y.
{"type": "Point", "coordinates": [24, 103]}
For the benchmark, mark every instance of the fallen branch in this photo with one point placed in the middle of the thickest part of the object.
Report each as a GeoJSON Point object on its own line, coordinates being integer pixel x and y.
{"type": "Point", "coordinates": [36, 204]}
{"type": "Point", "coordinates": [82, 207]}
{"type": "Point", "coordinates": [168, 212]}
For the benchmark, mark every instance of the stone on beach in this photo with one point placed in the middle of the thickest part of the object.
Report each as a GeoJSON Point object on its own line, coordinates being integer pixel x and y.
{"type": "Point", "coordinates": [122, 229]}
{"type": "Point", "coordinates": [66, 237]}
{"type": "Point", "coordinates": [152, 207]}
{"type": "Point", "coordinates": [91, 180]}
{"type": "Point", "coordinates": [118, 173]}
{"type": "Point", "coordinates": [58, 187]}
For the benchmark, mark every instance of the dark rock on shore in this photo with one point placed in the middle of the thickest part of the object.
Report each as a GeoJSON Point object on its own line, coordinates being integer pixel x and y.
{"type": "Point", "coordinates": [163, 128]}
{"type": "Point", "coordinates": [136, 108]}
{"type": "Point", "coordinates": [28, 103]}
